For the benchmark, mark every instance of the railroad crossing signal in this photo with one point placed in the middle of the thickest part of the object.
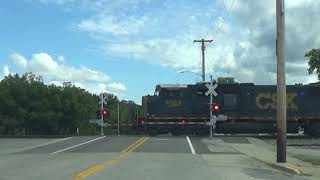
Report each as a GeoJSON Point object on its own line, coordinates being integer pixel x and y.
{"type": "Point", "coordinates": [103, 98]}
{"type": "Point", "coordinates": [211, 89]}
{"type": "Point", "coordinates": [213, 107]}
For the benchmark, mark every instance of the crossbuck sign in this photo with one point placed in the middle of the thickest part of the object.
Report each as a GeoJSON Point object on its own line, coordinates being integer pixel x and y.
{"type": "Point", "coordinates": [211, 89]}
{"type": "Point", "coordinates": [103, 98]}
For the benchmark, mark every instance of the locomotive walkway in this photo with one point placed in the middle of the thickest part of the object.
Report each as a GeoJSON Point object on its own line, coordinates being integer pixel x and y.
{"type": "Point", "coordinates": [141, 157]}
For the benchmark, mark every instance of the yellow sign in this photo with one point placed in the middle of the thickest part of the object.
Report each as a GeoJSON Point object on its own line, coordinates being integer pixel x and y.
{"type": "Point", "coordinates": [269, 101]}
{"type": "Point", "coordinates": [173, 103]}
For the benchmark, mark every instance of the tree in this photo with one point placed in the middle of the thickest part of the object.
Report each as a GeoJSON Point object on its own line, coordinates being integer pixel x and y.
{"type": "Point", "coordinates": [225, 80]}
{"type": "Point", "coordinates": [29, 106]}
{"type": "Point", "coordinates": [314, 61]}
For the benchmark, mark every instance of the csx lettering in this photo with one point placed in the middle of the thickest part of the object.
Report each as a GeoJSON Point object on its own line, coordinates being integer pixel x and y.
{"type": "Point", "coordinates": [173, 103]}
{"type": "Point", "coordinates": [269, 101]}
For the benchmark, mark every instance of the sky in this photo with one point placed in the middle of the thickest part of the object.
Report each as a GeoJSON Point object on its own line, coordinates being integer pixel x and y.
{"type": "Point", "coordinates": [127, 47]}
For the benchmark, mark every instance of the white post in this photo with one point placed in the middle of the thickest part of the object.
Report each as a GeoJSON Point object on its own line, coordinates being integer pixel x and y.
{"type": "Point", "coordinates": [101, 127]}
{"type": "Point", "coordinates": [118, 118]}
{"type": "Point", "coordinates": [211, 83]}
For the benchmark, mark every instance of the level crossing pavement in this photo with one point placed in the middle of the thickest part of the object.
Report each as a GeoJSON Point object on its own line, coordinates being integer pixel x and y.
{"type": "Point", "coordinates": [134, 157]}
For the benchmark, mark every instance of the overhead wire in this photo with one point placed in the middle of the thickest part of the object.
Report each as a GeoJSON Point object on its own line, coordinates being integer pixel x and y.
{"type": "Point", "coordinates": [226, 10]}
{"type": "Point", "coordinates": [218, 4]}
{"type": "Point", "coordinates": [223, 3]}
{"type": "Point", "coordinates": [218, 25]}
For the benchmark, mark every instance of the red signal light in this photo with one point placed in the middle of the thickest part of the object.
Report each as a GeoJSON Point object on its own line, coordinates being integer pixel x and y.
{"type": "Point", "coordinates": [215, 107]}
{"type": "Point", "coordinates": [104, 112]}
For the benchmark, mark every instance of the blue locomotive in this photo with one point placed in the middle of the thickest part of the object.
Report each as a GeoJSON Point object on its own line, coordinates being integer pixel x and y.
{"type": "Point", "coordinates": [240, 108]}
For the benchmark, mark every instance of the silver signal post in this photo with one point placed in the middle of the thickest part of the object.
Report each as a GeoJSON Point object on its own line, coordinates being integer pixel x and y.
{"type": "Point", "coordinates": [211, 91]}
{"type": "Point", "coordinates": [103, 100]}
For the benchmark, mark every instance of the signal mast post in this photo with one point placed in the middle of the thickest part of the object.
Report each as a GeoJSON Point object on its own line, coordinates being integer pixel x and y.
{"type": "Point", "coordinates": [118, 119]}
{"type": "Point", "coordinates": [211, 126]}
{"type": "Point", "coordinates": [213, 118]}
{"type": "Point", "coordinates": [103, 97]}
{"type": "Point", "coordinates": [101, 126]}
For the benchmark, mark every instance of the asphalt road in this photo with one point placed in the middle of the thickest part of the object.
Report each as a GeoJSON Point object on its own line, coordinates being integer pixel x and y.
{"type": "Point", "coordinates": [131, 157]}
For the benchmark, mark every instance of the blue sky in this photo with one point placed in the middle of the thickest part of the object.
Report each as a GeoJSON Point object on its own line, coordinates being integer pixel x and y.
{"type": "Point", "coordinates": [128, 46]}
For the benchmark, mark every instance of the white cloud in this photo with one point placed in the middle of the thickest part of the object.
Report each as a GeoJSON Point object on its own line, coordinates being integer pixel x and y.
{"type": "Point", "coordinates": [258, 19]}
{"type": "Point", "coordinates": [61, 58]}
{"type": "Point", "coordinates": [117, 87]}
{"type": "Point", "coordinates": [105, 24]}
{"type": "Point", "coordinates": [165, 36]}
{"type": "Point", "coordinates": [19, 60]}
{"type": "Point", "coordinates": [6, 70]}
{"type": "Point", "coordinates": [53, 72]}
{"type": "Point", "coordinates": [44, 64]}
{"type": "Point", "coordinates": [244, 47]}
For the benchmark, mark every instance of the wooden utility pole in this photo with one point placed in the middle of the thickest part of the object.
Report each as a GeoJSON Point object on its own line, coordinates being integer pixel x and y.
{"type": "Point", "coordinates": [281, 84]}
{"type": "Point", "coordinates": [203, 48]}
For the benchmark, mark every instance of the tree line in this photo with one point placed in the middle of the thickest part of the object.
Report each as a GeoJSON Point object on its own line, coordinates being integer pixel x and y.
{"type": "Point", "coordinates": [28, 106]}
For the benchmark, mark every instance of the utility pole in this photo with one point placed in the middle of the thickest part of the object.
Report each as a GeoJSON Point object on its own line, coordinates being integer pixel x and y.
{"type": "Point", "coordinates": [203, 48]}
{"type": "Point", "coordinates": [281, 84]}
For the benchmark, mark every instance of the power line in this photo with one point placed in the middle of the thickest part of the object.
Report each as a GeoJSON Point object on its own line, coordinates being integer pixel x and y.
{"type": "Point", "coordinates": [220, 3]}
{"type": "Point", "coordinates": [222, 20]}
{"type": "Point", "coordinates": [227, 10]}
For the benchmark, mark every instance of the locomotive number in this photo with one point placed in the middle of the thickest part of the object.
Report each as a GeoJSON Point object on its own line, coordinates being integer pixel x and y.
{"type": "Point", "coordinates": [269, 101]}
{"type": "Point", "coordinates": [173, 103]}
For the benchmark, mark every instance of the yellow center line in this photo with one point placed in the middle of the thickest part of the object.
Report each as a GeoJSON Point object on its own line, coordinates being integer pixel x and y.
{"type": "Point", "coordinates": [137, 145]}
{"type": "Point", "coordinates": [82, 175]}
{"type": "Point", "coordinates": [133, 144]}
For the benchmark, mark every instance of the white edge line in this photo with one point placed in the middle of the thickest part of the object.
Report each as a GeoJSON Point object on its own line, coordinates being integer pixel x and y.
{"type": "Point", "coordinates": [191, 146]}
{"type": "Point", "coordinates": [77, 145]}
{"type": "Point", "coordinates": [43, 144]}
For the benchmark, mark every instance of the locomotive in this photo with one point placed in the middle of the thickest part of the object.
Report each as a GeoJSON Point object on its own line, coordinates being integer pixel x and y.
{"type": "Point", "coordinates": [240, 108]}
